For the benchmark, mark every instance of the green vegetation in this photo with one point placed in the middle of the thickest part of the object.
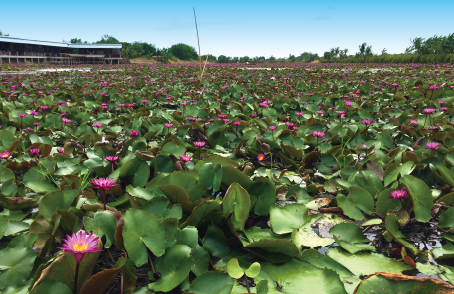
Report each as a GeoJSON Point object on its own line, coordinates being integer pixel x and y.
{"type": "Point", "coordinates": [330, 178]}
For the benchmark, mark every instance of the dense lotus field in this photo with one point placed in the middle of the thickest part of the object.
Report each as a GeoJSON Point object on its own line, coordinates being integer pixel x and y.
{"type": "Point", "coordinates": [302, 178]}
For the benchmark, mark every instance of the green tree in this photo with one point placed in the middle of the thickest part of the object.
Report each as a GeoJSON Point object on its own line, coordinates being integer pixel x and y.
{"type": "Point", "coordinates": [224, 59]}
{"type": "Point", "coordinates": [245, 59]}
{"type": "Point", "coordinates": [291, 58]}
{"type": "Point", "coordinates": [327, 55]}
{"type": "Point", "coordinates": [184, 52]}
{"type": "Point", "coordinates": [106, 39]}
{"type": "Point", "coordinates": [75, 41]}
{"type": "Point", "coordinates": [211, 58]}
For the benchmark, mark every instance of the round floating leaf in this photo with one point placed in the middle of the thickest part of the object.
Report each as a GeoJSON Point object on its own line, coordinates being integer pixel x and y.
{"type": "Point", "coordinates": [262, 287]}
{"type": "Point", "coordinates": [307, 237]}
{"type": "Point", "coordinates": [385, 202]}
{"type": "Point", "coordinates": [212, 282]}
{"type": "Point", "coordinates": [445, 252]}
{"type": "Point", "coordinates": [421, 195]}
{"type": "Point", "coordinates": [51, 287]}
{"type": "Point", "coordinates": [294, 276]}
{"type": "Point", "coordinates": [234, 269]}
{"type": "Point", "coordinates": [253, 270]}
{"type": "Point", "coordinates": [358, 199]}
{"type": "Point", "coordinates": [284, 220]}
{"type": "Point", "coordinates": [236, 202]}
{"type": "Point", "coordinates": [263, 191]}
{"type": "Point", "coordinates": [349, 232]}
{"type": "Point", "coordinates": [215, 242]}
{"type": "Point", "coordinates": [16, 264]}
{"type": "Point", "coordinates": [173, 266]}
{"type": "Point", "coordinates": [447, 218]}
{"type": "Point", "coordinates": [364, 263]}
{"type": "Point", "coordinates": [143, 230]}
{"type": "Point", "coordinates": [321, 261]}
{"type": "Point", "coordinates": [3, 226]}
{"type": "Point", "coordinates": [103, 223]}
{"type": "Point", "coordinates": [201, 260]}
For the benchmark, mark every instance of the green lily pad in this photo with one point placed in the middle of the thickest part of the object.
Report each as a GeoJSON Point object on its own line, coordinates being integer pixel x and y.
{"type": "Point", "coordinates": [295, 275]}
{"type": "Point", "coordinates": [173, 266]}
{"type": "Point", "coordinates": [212, 282]}
{"type": "Point", "coordinates": [359, 199]}
{"type": "Point", "coordinates": [138, 237]}
{"type": "Point", "coordinates": [364, 263]}
{"type": "Point", "coordinates": [284, 220]}
{"type": "Point", "coordinates": [16, 265]}
{"type": "Point", "coordinates": [421, 195]}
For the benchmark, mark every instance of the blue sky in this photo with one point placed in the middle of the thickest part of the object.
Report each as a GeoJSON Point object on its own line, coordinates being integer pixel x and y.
{"type": "Point", "coordinates": [235, 28]}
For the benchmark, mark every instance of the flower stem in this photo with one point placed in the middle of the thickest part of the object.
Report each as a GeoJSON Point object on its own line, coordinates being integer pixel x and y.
{"type": "Point", "coordinates": [402, 202]}
{"type": "Point", "coordinates": [247, 284]}
{"type": "Point", "coordinates": [76, 277]}
{"type": "Point", "coordinates": [104, 198]}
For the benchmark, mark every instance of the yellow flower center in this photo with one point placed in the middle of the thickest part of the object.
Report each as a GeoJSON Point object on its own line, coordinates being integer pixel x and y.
{"type": "Point", "coordinates": [80, 246]}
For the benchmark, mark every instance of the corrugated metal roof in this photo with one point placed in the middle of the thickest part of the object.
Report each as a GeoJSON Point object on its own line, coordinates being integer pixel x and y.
{"type": "Point", "coordinates": [59, 44]}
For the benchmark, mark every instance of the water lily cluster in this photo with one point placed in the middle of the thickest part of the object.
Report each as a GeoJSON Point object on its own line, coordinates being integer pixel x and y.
{"type": "Point", "coordinates": [135, 178]}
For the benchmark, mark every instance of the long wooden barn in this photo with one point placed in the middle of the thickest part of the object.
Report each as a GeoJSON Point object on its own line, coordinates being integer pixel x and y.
{"type": "Point", "coordinates": [15, 50]}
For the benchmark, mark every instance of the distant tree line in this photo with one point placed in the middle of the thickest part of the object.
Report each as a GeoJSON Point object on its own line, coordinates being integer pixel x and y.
{"type": "Point", "coordinates": [436, 49]}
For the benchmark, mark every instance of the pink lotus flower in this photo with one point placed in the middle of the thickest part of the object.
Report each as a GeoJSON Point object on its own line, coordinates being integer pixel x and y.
{"type": "Point", "coordinates": [97, 125]}
{"type": "Point", "coordinates": [348, 102]}
{"type": "Point", "coordinates": [320, 112]}
{"type": "Point", "coordinates": [21, 115]}
{"type": "Point", "coordinates": [199, 144]}
{"type": "Point", "coordinates": [300, 114]}
{"type": "Point", "coordinates": [366, 122]}
{"type": "Point", "coordinates": [441, 102]}
{"type": "Point", "coordinates": [254, 115]}
{"type": "Point", "coordinates": [237, 123]}
{"type": "Point", "coordinates": [80, 243]}
{"type": "Point", "coordinates": [112, 158]}
{"type": "Point", "coordinates": [398, 194]}
{"type": "Point", "coordinates": [191, 118]}
{"type": "Point", "coordinates": [185, 157]}
{"type": "Point", "coordinates": [318, 134]}
{"type": "Point", "coordinates": [103, 183]}
{"type": "Point", "coordinates": [261, 157]}
{"type": "Point", "coordinates": [444, 108]}
{"type": "Point", "coordinates": [5, 155]}
{"type": "Point", "coordinates": [66, 120]}
{"type": "Point", "coordinates": [429, 110]}
{"type": "Point", "coordinates": [133, 133]}
{"type": "Point", "coordinates": [433, 127]}
{"type": "Point", "coordinates": [34, 151]}
{"type": "Point", "coordinates": [144, 101]}
{"type": "Point", "coordinates": [61, 151]}
{"type": "Point", "coordinates": [272, 128]}
{"type": "Point", "coordinates": [432, 145]}
{"type": "Point", "coordinates": [413, 122]}
{"type": "Point", "coordinates": [168, 125]}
